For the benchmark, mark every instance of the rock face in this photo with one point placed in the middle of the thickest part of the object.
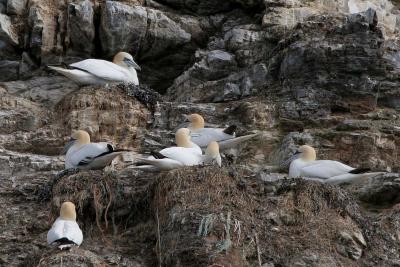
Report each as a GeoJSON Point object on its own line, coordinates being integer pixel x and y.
{"type": "Point", "coordinates": [323, 73]}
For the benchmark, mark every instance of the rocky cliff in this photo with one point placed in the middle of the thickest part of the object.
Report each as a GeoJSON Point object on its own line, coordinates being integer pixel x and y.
{"type": "Point", "coordinates": [317, 72]}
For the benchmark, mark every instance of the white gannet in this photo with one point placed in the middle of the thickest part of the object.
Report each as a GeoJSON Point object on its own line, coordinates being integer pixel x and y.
{"type": "Point", "coordinates": [186, 154]}
{"type": "Point", "coordinates": [98, 71]}
{"type": "Point", "coordinates": [83, 154]}
{"type": "Point", "coordinates": [65, 232]}
{"type": "Point", "coordinates": [176, 157]}
{"type": "Point", "coordinates": [304, 164]}
{"type": "Point", "coordinates": [225, 137]}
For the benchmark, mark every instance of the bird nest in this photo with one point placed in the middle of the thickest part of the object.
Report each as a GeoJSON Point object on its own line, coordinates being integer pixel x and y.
{"type": "Point", "coordinates": [208, 216]}
{"type": "Point", "coordinates": [92, 192]}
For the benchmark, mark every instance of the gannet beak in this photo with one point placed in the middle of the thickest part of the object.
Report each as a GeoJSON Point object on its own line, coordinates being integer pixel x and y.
{"type": "Point", "coordinates": [132, 63]}
{"type": "Point", "coordinates": [70, 143]}
{"type": "Point", "coordinates": [286, 163]}
{"type": "Point", "coordinates": [186, 117]}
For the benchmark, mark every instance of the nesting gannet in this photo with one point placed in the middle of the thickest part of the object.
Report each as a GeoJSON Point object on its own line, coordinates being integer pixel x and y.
{"type": "Point", "coordinates": [65, 232]}
{"type": "Point", "coordinates": [97, 71]}
{"type": "Point", "coordinates": [88, 156]}
{"type": "Point", "coordinates": [225, 137]}
{"type": "Point", "coordinates": [183, 139]}
{"type": "Point", "coordinates": [304, 164]}
{"type": "Point", "coordinates": [177, 157]}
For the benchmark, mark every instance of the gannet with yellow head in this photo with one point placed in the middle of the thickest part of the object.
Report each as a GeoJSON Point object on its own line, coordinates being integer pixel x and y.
{"type": "Point", "coordinates": [98, 71]}
{"type": "Point", "coordinates": [202, 136]}
{"type": "Point", "coordinates": [82, 154]}
{"type": "Point", "coordinates": [180, 156]}
{"type": "Point", "coordinates": [65, 232]}
{"type": "Point", "coordinates": [304, 164]}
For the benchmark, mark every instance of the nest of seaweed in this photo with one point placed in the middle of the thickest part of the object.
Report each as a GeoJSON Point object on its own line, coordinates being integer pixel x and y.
{"type": "Point", "coordinates": [208, 215]}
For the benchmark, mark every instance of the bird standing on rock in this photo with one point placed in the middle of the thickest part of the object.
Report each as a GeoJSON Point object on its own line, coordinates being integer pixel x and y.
{"type": "Point", "coordinates": [65, 232]}
{"type": "Point", "coordinates": [83, 154]}
{"type": "Point", "coordinates": [99, 72]}
{"type": "Point", "coordinates": [304, 164]}
{"type": "Point", "coordinates": [225, 137]}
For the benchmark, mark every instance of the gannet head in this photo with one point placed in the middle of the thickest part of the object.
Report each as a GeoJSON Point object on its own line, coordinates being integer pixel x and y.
{"type": "Point", "coordinates": [81, 137]}
{"type": "Point", "coordinates": [67, 211]}
{"type": "Point", "coordinates": [182, 137]}
{"type": "Point", "coordinates": [212, 154]}
{"type": "Point", "coordinates": [196, 121]}
{"type": "Point", "coordinates": [305, 153]}
{"type": "Point", "coordinates": [125, 60]}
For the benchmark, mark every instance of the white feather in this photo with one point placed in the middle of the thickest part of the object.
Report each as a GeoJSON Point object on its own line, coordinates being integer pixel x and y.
{"type": "Point", "coordinates": [326, 171]}
{"type": "Point", "coordinates": [65, 229]}
{"type": "Point", "coordinates": [204, 136]}
{"type": "Point", "coordinates": [90, 154]}
{"type": "Point", "coordinates": [97, 71]}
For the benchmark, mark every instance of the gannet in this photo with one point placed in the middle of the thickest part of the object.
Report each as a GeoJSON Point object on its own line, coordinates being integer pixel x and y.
{"type": "Point", "coordinates": [225, 137]}
{"type": "Point", "coordinates": [83, 154]}
{"type": "Point", "coordinates": [98, 71]}
{"type": "Point", "coordinates": [183, 139]}
{"type": "Point", "coordinates": [176, 157]}
{"type": "Point", "coordinates": [304, 164]}
{"type": "Point", "coordinates": [65, 232]}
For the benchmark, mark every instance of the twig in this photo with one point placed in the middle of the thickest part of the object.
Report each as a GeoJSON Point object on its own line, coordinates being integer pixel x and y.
{"type": "Point", "coordinates": [159, 239]}
{"type": "Point", "coordinates": [258, 250]}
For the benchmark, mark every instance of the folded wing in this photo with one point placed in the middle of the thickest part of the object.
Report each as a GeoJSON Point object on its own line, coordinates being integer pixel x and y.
{"type": "Point", "coordinates": [325, 169]}
{"type": "Point", "coordinates": [103, 69]}
{"type": "Point", "coordinates": [63, 229]}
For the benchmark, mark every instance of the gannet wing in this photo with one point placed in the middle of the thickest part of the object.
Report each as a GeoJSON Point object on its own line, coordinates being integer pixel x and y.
{"type": "Point", "coordinates": [186, 156]}
{"type": "Point", "coordinates": [204, 136]}
{"type": "Point", "coordinates": [103, 69]}
{"type": "Point", "coordinates": [87, 153]}
{"type": "Point", "coordinates": [234, 142]}
{"type": "Point", "coordinates": [65, 229]}
{"type": "Point", "coordinates": [325, 169]}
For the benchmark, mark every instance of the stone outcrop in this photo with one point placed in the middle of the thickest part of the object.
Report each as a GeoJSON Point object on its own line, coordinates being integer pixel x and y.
{"type": "Point", "coordinates": [323, 73]}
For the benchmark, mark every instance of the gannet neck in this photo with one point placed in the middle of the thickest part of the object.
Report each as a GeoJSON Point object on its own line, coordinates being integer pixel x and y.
{"type": "Point", "coordinates": [307, 153]}
{"type": "Point", "coordinates": [196, 121]}
{"type": "Point", "coordinates": [67, 211]}
{"type": "Point", "coordinates": [182, 138]}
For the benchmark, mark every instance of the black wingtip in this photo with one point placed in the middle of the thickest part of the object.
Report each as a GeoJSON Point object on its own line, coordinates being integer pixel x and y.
{"type": "Point", "coordinates": [157, 155]}
{"type": "Point", "coordinates": [122, 150]}
{"type": "Point", "coordinates": [360, 170]}
{"type": "Point", "coordinates": [230, 130]}
{"type": "Point", "coordinates": [64, 241]}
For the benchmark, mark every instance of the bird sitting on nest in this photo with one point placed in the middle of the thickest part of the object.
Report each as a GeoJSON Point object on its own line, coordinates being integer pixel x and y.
{"type": "Point", "coordinates": [82, 154]}
{"type": "Point", "coordinates": [226, 137]}
{"type": "Point", "coordinates": [100, 72]}
{"type": "Point", "coordinates": [304, 164]}
{"type": "Point", "coordinates": [65, 232]}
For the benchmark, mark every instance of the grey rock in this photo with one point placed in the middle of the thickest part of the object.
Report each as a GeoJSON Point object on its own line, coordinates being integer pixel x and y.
{"type": "Point", "coordinates": [46, 90]}
{"type": "Point", "coordinates": [134, 28]}
{"type": "Point", "coordinates": [81, 28]}
{"type": "Point", "coordinates": [7, 33]}
{"type": "Point", "coordinates": [36, 24]}
{"type": "Point", "coordinates": [26, 67]}
{"type": "Point", "coordinates": [3, 7]}
{"type": "Point", "coordinates": [382, 190]}
{"type": "Point", "coordinates": [16, 7]}
{"type": "Point", "coordinates": [9, 70]}
{"type": "Point", "coordinates": [348, 247]}
{"type": "Point", "coordinates": [122, 28]}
